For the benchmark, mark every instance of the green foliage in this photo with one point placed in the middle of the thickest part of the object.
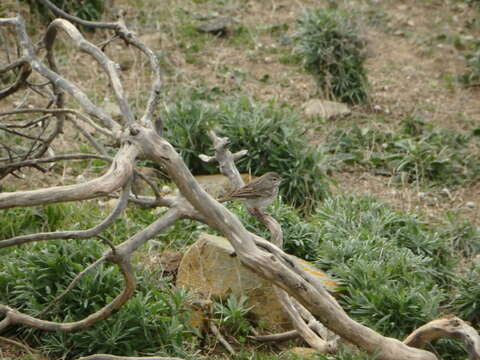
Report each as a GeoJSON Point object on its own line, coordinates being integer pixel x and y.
{"type": "Point", "coordinates": [333, 51]}
{"type": "Point", "coordinates": [87, 9]}
{"type": "Point", "coordinates": [466, 304]}
{"type": "Point", "coordinates": [232, 315]}
{"type": "Point", "coordinates": [271, 134]}
{"type": "Point", "coordinates": [417, 153]}
{"type": "Point", "coordinates": [462, 235]}
{"type": "Point", "coordinates": [392, 264]}
{"type": "Point", "coordinates": [17, 221]}
{"type": "Point", "coordinates": [154, 320]}
{"type": "Point", "coordinates": [472, 75]}
{"type": "Point", "coordinates": [299, 235]}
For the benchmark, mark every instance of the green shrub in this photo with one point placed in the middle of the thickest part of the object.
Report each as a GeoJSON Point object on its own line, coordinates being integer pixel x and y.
{"type": "Point", "coordinates": [466, 304]}
{"type": "Point", "coordinates": [232, 314]}
{"type": "Point", "coordinates": [463, 236]}
{"type": "Point", "coordinates": [87, 10]}
{"type": "Point", "coordinates": [416, 153]}
{"type": "Point", "coordinates": [332, 50]}
{"type": "Point", "coordinates": [472, 75]}
{"type": "Point", "coordinates": [271, 134]}
{"type": "Point", "coordinates": [391, 265]}
{"type": "Point", "coordinates": [153, 321]}
{"type": "Point", "coordinates": [300, 236]}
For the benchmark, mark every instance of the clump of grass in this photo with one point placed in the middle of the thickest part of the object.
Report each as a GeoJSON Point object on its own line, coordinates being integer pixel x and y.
{"type": "Point", "coordinates": [231, 315]}
{"type": "Point", "coordinates": [271, 134]}
{"type": "Point", "coordinates": [467, 292]}
{"type": "Point", "coordinates": [416, 153]}
{"type": "Point", "coordinates": [393, 267]}
{"type": "Point", "coordinates": [333, 51]}
{"type": "Point", "coordinates": [153, 321]}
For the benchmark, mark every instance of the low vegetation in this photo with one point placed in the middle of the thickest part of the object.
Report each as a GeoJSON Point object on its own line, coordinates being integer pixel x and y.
{"type": "Point", "coordinates": [395, 272]}
{"type": "Point", "coordinates": [417, 153]}
{"type": "Point", "coordinates": [272, 134]}
{"type": "Point", "coordinates": [333, 51]}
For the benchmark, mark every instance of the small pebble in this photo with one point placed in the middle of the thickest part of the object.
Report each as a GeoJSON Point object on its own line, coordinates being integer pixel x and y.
{"type": "Point", "coordinates": [470, 204]}
{"type": "Point", "coordinates": [166, 189]}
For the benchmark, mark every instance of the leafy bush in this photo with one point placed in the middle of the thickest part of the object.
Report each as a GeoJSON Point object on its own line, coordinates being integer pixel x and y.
{"type": "Point", "coordinates": [271, 134]}
{"type": "Point", "coordinates": [392, 265]}
{"type": "Point", "coordinates": [416, 153]}
{"type": "Point", "coordinates": [232, 315]}
{"type": "Point", "coordinates": [463, 236]}
{"type": "Point", "coordinates": [333, 51]}
{"type": "Point", "coordinates": [87, 9]}
{"type": "Point", "coordinates": [153, 321]}
{"type": "Point", "coordinates": [466, 303]}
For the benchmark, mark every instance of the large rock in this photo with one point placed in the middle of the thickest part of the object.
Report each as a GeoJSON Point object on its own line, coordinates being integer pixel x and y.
{"type": "Point", "coordinates": [325, 109]}
{"type": "Point", "coordinates": [210, 269]}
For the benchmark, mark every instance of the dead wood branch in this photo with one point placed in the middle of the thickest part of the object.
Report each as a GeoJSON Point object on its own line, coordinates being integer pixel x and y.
{"type": "Point", "coordinates": [119, 173]}
{"type": "Point", "coordinates": [315, 298]}
{"type": "Point", "coordinates": [21, 81]}
{"type": "Point", "coordinates": [13, 316]}
{"type": "Point", "coordinates": [87, 47]}
{"type": "Point", "coordinates": [28, 53]}
{"type": "Point", "coordinates": [227, 166]}
{"type": "Point", "coordinates": [130, 38]}
{"type": "Point", "coordinates": [447, 327]}
{"type": "Point", "coordinates": [78, 234]}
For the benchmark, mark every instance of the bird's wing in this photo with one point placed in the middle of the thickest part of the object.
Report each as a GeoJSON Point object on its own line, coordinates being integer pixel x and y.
{"type": "Point", "coordinates": [245, 193]}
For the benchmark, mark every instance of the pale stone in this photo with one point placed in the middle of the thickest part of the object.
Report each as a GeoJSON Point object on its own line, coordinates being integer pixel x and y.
{"type": "Point", "coordinates": [210, 269]}
{"type": "Point", "coordinates": [325, 109]}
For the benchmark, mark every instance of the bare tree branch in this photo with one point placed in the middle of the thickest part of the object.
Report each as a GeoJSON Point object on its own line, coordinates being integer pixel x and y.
{"type": "Point", "coordinates": [28, 53]}
{"type": "Point", "coordinates": [227, 166]}
{"type": "Point", "coordinates": [77, 234]}
{"type": "Point", "coordinates": [32, 162]}
{"type": "Point", "coordinates": [13, 316]}
{"type": "Point", "coordinates": [87, 47]}
{"type": "Point", "coordinates": [54, 111]}
{"type": "Point", "coordinates": [25, 72]}
{"type": "Point", "coordinates": [129, 37]}
{"type": "Point", "coordinates": [450, 327]}
{"type": "Point", "coordinates": [119, 173]}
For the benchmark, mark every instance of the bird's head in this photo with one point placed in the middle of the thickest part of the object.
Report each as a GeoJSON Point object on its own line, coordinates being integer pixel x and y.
{"type": "Point", "coordinates": [273, 177]}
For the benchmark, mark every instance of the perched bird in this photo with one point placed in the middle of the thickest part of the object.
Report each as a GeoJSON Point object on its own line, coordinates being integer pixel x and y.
{"type": "Point", "coordinates": [259, 193]}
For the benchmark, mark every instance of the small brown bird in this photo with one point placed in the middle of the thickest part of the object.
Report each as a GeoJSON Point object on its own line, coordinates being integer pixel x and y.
{"type": "Point", "coordinates": [259, 193]}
